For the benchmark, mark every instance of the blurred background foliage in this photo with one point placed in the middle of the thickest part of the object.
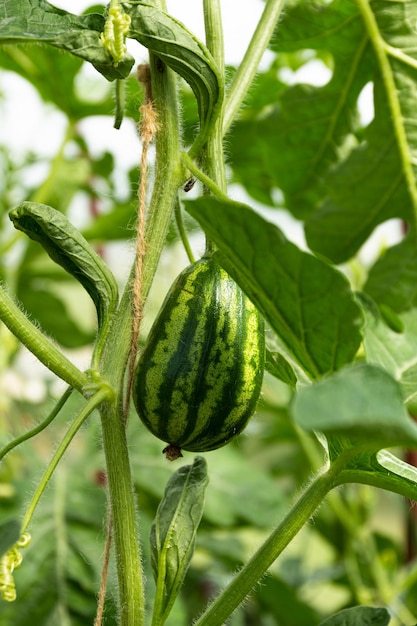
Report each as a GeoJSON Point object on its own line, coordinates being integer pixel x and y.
{"type": "Point", "coordinates": [360, 548]}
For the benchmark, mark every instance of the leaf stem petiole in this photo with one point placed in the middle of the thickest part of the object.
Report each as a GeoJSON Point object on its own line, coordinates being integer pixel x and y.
{"type": "Point", "coordinates": [102, 394]}
{"type": "Point", "coordinates": [37, 429]}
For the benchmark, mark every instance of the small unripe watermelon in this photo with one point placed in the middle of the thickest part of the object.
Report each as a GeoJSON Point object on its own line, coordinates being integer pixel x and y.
{"type": "Point", "coordinates": [199, 377]}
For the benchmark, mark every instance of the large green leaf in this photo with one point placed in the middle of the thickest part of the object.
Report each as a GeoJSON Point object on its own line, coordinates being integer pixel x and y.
{"type": "Point", "coordinates": [306, 129]}
{"type": "Point", "coordinates": [377, 180]}
{"type": "Point", "coordinates": [308, 303]}
{"type": "Point", "coordinates": [392, 281]}
{"type": "Point", "coordinates": [184, 53]}
{"type": "Point", "coordinates": [394, 351]}
{"type": "Point", "coordinates": [37, 64]}
{"type": "Point", "coordinates": [37, 21]}
{"type": "Point", "coordinates": [361, 402]}
{"type": "Point", "coordinates": [309, 141]}
{"type": "Point", "coordinates": [366, 189]}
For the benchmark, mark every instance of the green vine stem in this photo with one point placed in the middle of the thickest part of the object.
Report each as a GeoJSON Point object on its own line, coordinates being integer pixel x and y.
{"type": "Point", "coordinates": [213, 160]}
{"type": "Point", "coordinates": [247, 69]}
{"type": "Point", "coordinates": [169, 175]}
{"type": "Point", "coordinates": [233, 595]}
{"type": "Point", "coordinates": [182, 232]}
{"type": "Point", "coordinates": [336, 475]}
{"type": "Point", "coordinates": [202, 177]}
{"type": "Point", "coordinates": [102, 394]}
{"type": "Point", "coordinates": [123, 515]}
{"type": "Point", "coordinates": [37, 429]}
{"type": "Point", "coordinates": [39, 344]}
{"type": "Point", "coordinates": [347, 516]}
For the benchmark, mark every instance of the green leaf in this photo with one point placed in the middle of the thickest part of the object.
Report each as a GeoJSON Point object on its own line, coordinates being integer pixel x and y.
{"type": "Point", "coordinates": [392, 281]}
{"type": "Point", "coordinates": [67, 247]}
{"type": "Point", "coordinates": [279, 367]}
{"type": "Point", "coordinates": [359, 616]}
{"type": "Point", "coordinates": [37, 64]}
{"type": "Point", "coordinates": [174, 531]}
{"type": "Point", "coordinates": [308, 304]}
{"type": "Point", "coordinates": [365, 190]}
{"type": "Point", "coordinates": [9, 534]}
{"type": "Point", "coordinates": [394, 351]}
{"type": "Point", "coordinates": [310, 143]}
{"type": "Point", "coordinates": [251, 158]}
{"type": "Point", "coordinates": [361, 402]}
{"type": "Point", "coordinates": [378, 468]}
{"type": "Point", "coordinates": [377, 180]}
{"type": "Point", "coordinates": [168, 39]}
{"type": "Point", "coordinates": [305, 130]}
{"type": "Point", "coordinates": [37, 21]}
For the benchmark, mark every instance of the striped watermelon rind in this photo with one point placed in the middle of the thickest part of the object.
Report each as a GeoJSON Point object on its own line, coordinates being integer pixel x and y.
{"type": "Point", "coordinates": [199, 377]}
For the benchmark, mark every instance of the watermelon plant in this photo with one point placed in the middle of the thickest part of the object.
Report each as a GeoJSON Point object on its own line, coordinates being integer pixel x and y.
{"type": "Point", "coordinates": [289, 370]}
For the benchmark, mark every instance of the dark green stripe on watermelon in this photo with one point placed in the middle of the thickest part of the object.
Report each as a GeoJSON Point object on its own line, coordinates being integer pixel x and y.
{"type": "Point", "coordinates": [199, 377]}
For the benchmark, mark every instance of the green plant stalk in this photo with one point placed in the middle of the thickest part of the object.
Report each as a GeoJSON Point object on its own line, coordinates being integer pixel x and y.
{"type": "Point", "coordinates": [391, 89]}
{"type": "Point", "coordinates": [202, 177]}
{"type": "Point", "coordinates": [348, 519]}
{"type": "Point", "coordinates": [39, 344]}
{"type": "Point", "coordinates": [249, 66]}
{"type": "Point", "coordinates": [213, 158]}
{"type": "Point", "coordinates": [37, 429]}
{"type": "Point", "coordinates": [182, 231]}
{"type": "Point", "coordinates": [123, 512]}
{"type": "Point", "coordinates": [381, 481]}
{"type": "Point", "coordinates": [101, 395]}
{"type": "Point", "coordinates": [168, 177]}
{"type": "Point", "coordinates": [233, 595]}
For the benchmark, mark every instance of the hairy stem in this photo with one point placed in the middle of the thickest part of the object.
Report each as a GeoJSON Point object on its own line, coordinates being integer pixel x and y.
{"type": "Point", "coordinates": [249, 66]}
{"type": "Point", "coordinates": [232, 596]}
{"type": "Point", "coordinates": [123, 515]}
{"type": "Point", "coordinates": [182, 231]}
{"type": "Point", "coordinates": [37, 429]}
{"type": "Point", "coordinates": [100, 396]}
{"type": "Point", "coordinates": [202, 177]}
{"type": "Point", "coordinates": [39, 344]}
{"type": "Point", "coordinates": [168, 177]}
{"type": "Point", "coordinates": [213, 159]}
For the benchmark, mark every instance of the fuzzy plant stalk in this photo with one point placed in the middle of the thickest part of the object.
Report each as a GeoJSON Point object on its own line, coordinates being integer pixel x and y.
{"type": "Point", "coordinates": [121, 493]}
